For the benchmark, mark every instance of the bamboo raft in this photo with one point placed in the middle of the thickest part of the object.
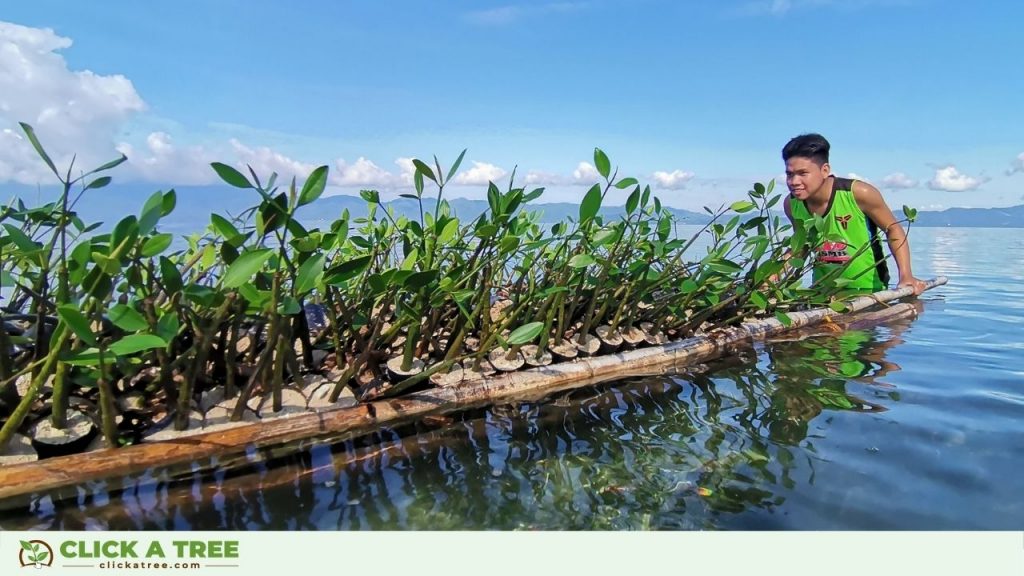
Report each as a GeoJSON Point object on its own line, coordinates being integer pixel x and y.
{"type": "Point", "coordinates": [59, 477]}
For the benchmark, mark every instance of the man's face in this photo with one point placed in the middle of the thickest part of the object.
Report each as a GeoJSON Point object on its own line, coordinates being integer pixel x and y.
{"type": "Point", "coordinates": [804, 177]}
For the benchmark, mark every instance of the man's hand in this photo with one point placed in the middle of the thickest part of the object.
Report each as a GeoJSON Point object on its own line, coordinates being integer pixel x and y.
{"type": "Point", "coordinates": [917, 285]}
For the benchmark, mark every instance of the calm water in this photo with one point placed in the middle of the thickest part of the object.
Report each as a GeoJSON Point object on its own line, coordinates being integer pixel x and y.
{"type": "Point", "coordinates": [914, 425]}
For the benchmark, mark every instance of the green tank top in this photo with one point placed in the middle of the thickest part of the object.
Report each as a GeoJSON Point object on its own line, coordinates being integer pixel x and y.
{"type": "Point", "coordinates": [851, 241]}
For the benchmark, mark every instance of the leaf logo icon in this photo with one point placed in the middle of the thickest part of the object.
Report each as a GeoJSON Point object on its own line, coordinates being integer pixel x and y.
{"type": "Point", "coordinates": [35, 553]}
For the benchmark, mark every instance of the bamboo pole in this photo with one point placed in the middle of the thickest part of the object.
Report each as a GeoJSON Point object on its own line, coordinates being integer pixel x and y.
{"type": "Point", "coordinates": [278, 436]}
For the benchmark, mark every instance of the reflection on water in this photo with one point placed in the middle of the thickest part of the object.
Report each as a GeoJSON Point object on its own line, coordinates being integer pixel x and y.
{"type": "Point", "coordinates": [916, 424]}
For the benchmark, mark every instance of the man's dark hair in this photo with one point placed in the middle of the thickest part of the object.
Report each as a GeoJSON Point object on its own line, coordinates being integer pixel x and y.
{"type": "Point", "coordinates": [811, 146]}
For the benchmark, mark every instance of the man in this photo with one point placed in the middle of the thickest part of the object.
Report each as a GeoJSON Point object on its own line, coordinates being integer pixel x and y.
{"type": "Point", "coordinates": [854, 214]}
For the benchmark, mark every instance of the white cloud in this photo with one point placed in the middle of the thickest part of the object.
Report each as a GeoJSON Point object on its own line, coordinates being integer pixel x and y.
{"type": "Point", "coordinates": [585, 173]}
{"type": "Point", "coordinates": [898, 180]}
{"type": "Point", "coordinates": [949, 179]}
{"type": "Point", "coordinates": [406, 171]}
{"type": "Point", "coordinates": [73, 111]}
{"type": "Point", "coordinates": [1017, 165]}
{"type": "Point", "coordinates": [855, 176]}
{"type": "Point", "coordinates": [539, 178]}
{"type": "Point", "coordinates": [362, 173]}
{"type": "Point", "coordinates": [480, 174]}
{"type": "Point", "coordinates": [264, 161]}
{"type": "Point", "coordinates": [673, 180]}
{"type": "Point", "coordinates": [163, 161]}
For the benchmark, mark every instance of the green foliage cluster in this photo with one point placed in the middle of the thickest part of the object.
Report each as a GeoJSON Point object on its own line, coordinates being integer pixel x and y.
{"type": "Point", "coordinates": [430, 294]}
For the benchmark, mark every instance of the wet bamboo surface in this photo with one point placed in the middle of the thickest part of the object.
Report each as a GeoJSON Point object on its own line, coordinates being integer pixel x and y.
{"type": "Point", "coordinates": [275, 437]}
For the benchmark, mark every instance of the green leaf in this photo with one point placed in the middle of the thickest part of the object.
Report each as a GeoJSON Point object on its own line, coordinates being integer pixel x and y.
{"type": "Point", "coordinates": [626, 183]}
{"type": "Point", "coordinates": [151, 212]}
{"type": "Point", "coordinates": [127, 318]}
{"type": "Point", "coordinates": [171, 276]}
{"type": "Point", "coordinates": [124, 232]}
{"type": "Point", "coordinates": [758, 299]}
{"type": "Point", "coordinates": [21, 240]}
{"type": "Point", "coordinates": [784, 318]}
{"type": "Point", "coordinates": [84, 357]}
{"type": "Point", "coordinates": [6, 279]}
{"type": "Point", "coordinates": [422, 168]}
{"type": "Point", "coordinates": [111, 266]}
{"type": "Point", "coordinates": [345, 271]}
{"type": "Point", "coordinates": [242, 269]}
{"type": "Point", "coordinates": [314, 186]}
{"type": "Point", "coordinates": [525, 334]}
{"type": "Point", "coordinates": [910, 213]}
{"type": "Point", "coordinates": [455, 167]}
{"type": "Point", "coordinates": [309, 274]}
{"type": "Point", "coordinates": [156, 244]}
{"type": "Point", "coordinates": [601, 162]}
{"type": "Point", "coordinates": [167, 326]}
{"type": "Point", "coordinates": [230, 175]}
{"type": "Point", "coordinates": [591, 203]}
{"type": "Point", "coordinates": [41, 556]}
{"type": "Point", "coordinates": [581, 261]}
{"type": "Point", "coordinates": [202, 295]}
{"type": "Point", "coordinates": [274, 212]}
{"type": "Point", "coordinates": [371, 196]}
{"type": "Point", "coordinates": [78, 323]}
{"type": "Point", "coordinates": [136, 343]}
{"type": "Point", "coordinates": [98, 183]}
{"type": "Point", "coordinates": [289, 306]}
{"type": "Point", "coordinates": [170, 201]}
{"type": "Point", "coordinates": [25, 544]}
{"type": "Point", "coordinates": [112, 164]}
{"type": "Point", "coordinates": [449, 231]}
{"type": "Point", "coordinates": [633, 201]}
{"type": "Point", "coordinates": [419, 280]}
{"type": "Point", "coordinates": [742, 206]}
{"type": "Point", "coordinates": [31, 133]}
{"type": "Point", "coordinates": [222, 226]}
{"type": "Point", "coordinates": [838, 307]}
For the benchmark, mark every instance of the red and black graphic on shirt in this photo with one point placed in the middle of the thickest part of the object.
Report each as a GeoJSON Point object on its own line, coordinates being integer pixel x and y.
{"type": "Point", "coordinates": [833, 253]}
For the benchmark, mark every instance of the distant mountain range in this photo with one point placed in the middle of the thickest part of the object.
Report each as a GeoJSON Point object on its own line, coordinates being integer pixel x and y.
{"type": "Point", "coordinates": [195, 204]}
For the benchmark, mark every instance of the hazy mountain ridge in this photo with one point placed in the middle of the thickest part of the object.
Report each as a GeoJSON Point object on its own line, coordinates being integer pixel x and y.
{"type": "Point", "coordinates": [195, 203]}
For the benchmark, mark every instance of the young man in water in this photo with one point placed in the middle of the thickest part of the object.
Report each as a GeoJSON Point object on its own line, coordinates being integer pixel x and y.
{"type": "Point", "coordinates": [854, 214]}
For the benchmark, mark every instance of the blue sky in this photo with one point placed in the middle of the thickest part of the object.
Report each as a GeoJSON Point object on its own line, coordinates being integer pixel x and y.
{"type": "Point", "coordinates": [920, 97]}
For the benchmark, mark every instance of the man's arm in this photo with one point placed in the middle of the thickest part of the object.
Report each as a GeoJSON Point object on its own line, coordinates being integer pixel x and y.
{"type": "Point", "coordinates": [870, 201]}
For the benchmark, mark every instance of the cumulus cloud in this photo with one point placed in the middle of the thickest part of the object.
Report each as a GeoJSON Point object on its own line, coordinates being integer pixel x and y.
{"type": "Point", "coordinates": [540, 178]}
{"type": "Point", "coordinates": [72, 111]}
{"type": "Point", "coordinates": [362, 173]}
{"type": "Point", "coordinates": [898, 180]}
{"type": "Point", "coordinates": [1017, 165]}
{"type": "Point", "coordinates": [480, 174]}
{"type": "Point", "coordinates": [673, 180]}
{"type": "Point", "coordinates": [585, 173]}
{"type": "Point", "coordinates": [949, 179]}
{"type": "Point", "coordinates": [163, 161]}
{"type": "Point", "coordinates": [406, 171]}
{"type": "Point", "coordinates": [264, 161]}
{"type": "Point", "coordinates": [855, 176]}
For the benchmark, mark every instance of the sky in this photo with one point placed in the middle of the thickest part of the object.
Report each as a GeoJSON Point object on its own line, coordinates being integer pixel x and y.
{"type": "Point", "coordinates": [695, 98]}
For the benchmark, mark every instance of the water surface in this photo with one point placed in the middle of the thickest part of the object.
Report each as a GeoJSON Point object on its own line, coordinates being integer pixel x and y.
{"type": "Point", "coordinates": [913, 425]}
